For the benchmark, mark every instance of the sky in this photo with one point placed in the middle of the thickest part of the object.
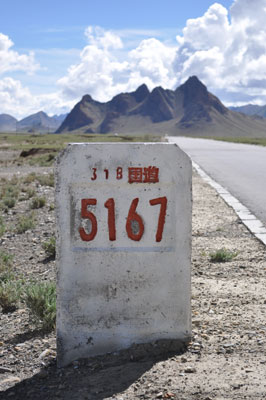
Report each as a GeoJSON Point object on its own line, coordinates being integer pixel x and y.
{"type": "Point", "coordinates": [54, 52]}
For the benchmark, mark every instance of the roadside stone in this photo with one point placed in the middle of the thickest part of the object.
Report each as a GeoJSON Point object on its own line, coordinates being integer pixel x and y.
{"type": "Point", "coordinates": [4, 370]}
{"type": "Point", "coordinates": [190, 370]}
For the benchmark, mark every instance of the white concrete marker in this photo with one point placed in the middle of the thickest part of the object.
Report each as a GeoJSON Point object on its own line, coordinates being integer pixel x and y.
{"type": "Point", "coordinates": [124, 245]}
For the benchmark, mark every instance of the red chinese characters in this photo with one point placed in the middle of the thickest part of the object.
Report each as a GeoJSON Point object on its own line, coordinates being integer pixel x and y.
{"type": "Point", "coordinates": [143, 174]}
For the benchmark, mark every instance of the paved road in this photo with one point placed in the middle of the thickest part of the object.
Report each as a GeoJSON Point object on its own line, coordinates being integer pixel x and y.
{"type": "Point", "coordinates": [240, 168]}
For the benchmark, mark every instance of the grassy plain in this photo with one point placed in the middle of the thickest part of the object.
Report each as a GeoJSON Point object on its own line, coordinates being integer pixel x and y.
{"type": "Point", "coordinates": [44, 147]}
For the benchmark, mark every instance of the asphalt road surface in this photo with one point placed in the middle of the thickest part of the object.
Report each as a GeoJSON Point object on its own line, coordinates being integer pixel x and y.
{"type": "Point", "coordinates": [240, 168]}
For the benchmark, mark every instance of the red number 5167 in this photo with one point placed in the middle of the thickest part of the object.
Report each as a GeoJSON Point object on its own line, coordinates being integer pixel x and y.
{"type": "Point", "coordinates": [132, 218]}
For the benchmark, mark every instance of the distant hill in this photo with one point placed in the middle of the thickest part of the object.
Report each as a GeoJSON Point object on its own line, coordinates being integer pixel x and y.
{"type": "Point", "coordinates": [188, 110]}
{"type": "Point", "coordinates": [251, 109]}
{"type": "Point", "coordinates": [39, 122]}
{"type": "Point", "coordinates": [60, 118]}
{"type": "Point", "coordinates": [7, 123]}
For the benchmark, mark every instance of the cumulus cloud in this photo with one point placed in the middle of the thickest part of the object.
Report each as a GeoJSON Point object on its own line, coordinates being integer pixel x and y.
{"type": "Point", "coordinates": [16, 99]}
{"type": "Point", "coordinates": [11, 60]}
{"type": "Point", "coordinates": [229, 56]}
{"type": "Point", "coordinates": [98, 72]}
{"type": "Point", "coordinates": [152, 61]}
{"type": "Point", "coordinates": [226, 49]}
{"type": "Point", "coordinates": [102, 73]}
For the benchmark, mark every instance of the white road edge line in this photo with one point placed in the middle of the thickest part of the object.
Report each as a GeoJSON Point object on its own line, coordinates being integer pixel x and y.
{"type": "Point", "coordinates": [254, 225]}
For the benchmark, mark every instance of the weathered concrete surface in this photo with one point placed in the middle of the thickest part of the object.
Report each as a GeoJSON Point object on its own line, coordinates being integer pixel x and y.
{"type": "Point", "coordinates": [121, 281]}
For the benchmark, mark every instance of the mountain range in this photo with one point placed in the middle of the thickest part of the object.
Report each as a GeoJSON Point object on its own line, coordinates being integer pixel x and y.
{"type": "Point", "coordinates": [39, 122]}
{"type": "Point", "coordinates": [251, 109]}
{"type": "Point", "coordinates": [189, 110]}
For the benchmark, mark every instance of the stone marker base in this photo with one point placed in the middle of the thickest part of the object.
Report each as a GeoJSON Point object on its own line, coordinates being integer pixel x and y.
{"type": "Point", "coordinates": [154, 351]}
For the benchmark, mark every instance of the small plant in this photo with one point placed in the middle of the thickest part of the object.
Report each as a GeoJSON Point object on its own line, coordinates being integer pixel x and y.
{"type": "Point", "coordinates": [30, 178]}
{"type": "Point", "coordinates": [49, 247]}
{"type": "Point", "coordinates": [9, 295]}
{"type": "Point", "coordinates": [10, 191]}
{"type": "Point", "coordinates": [14, 180]}
{"type": "Point", "coordinates": [46, 180]}
{"type": "Point", "coordinates": [25, 223]}
{"type": "Point", "coordinates": [2, 226]}
{"type": "Point", "coordinates": [6, 258]}
{"type": "Point", "coordinates": [222, 255]}
{"type": "Point", "coordinates": [40, 298]}
{"type": "Point", "coordinates": [9, 202]}
{"type": "Point", "coordinates": [43, 160]}
{"type": "Point", "coordinates": [38, 202]}
{"type": "Point", "coordinates": [30, 193]}
{"type": "Point", "coordinates": [6, 273]}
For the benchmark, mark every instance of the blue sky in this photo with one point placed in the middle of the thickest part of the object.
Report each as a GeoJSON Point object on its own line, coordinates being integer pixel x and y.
{"type": "Point", "coordinates": [53, 52]}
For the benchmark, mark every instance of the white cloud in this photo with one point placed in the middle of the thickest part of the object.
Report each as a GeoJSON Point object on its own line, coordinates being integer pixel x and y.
{"type": "Point", "coordinates": [210, 30]}
{"type": "Point", "coordinates": [19, 102]}
{"type": "Point", "coordinates": [11, 60]}
{"type": "Point", "coordinates": [225, 49]}
{"type": "Point", "coordinates": [102, 73]}
{"type": "Point", "coordinates": [152, 60]}
{"type": "Point", "coordinates": [15, 99]}
{"type": "Point", "coordinates": [229, 56]}
{"type": "Point", "coordinates": [102, 39]}
{"type": "Point", "coordinates": [98, 72]}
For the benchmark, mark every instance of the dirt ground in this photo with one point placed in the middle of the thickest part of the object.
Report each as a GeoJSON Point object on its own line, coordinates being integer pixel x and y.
{"type": "Point", "coordinates": [226, 358]}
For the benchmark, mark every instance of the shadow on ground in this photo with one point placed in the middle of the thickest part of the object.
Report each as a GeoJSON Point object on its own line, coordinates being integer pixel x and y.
{"type": "Point", "coordinates": [95, 378]}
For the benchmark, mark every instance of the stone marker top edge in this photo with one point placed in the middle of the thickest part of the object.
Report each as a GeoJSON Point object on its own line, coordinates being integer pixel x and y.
{"type": "Point", "coordinates": [72, 145]}
{"type": "Point", "coordinates": [120, 143]}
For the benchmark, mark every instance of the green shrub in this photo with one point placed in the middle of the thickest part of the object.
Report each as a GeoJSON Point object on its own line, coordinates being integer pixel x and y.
{"type": "Point", "coordinates": [38, 202]}
{"type": "Point", "coordinates": [10, 292]}
{"type": "Point", "coordinates": [25, 223]}
{"type": "Point", "coordinates": [222, 255]}
{"type": "Point", "coordinates": [49, 247]}
{"type": "Point", "coordinates": [6, 273]}
{"type": "Point", "coordinates": [6, 258]}
{"type": "Point", "coordinates": [40, 298]}
{"type": "Point", "coordinates": [2, 226]}
{"type": "Point", "coordinates": [43, 160]}
{"type": "Point", "coordinates": [10, 191]}
{"type": "Point", "coordinates": [30, 193]}
{"type": "Point", "coordinates": [9, 202]}
{"type": "Point", "coordinates": [46, 180]}
{"type": "Point", "coordinates": [30, 178]}
{"type": "Point", "coordinates": [14, 180]}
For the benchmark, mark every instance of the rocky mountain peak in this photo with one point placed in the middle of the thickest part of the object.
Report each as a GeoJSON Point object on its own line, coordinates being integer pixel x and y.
{"type": "Point", "coordinates": [141, 93]}
{"type": "Point", "coordinates": [86, 99]}
{"type": "Point", "coordinates": [194, 91]}
{"type": "Point", "coordinates": [198, 102]}
{"type": "Point", "coordinates": [190, 108]}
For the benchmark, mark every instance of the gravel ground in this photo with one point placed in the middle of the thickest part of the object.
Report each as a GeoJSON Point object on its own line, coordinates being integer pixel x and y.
{"type": "Point", "coordinates": [226, 358]}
